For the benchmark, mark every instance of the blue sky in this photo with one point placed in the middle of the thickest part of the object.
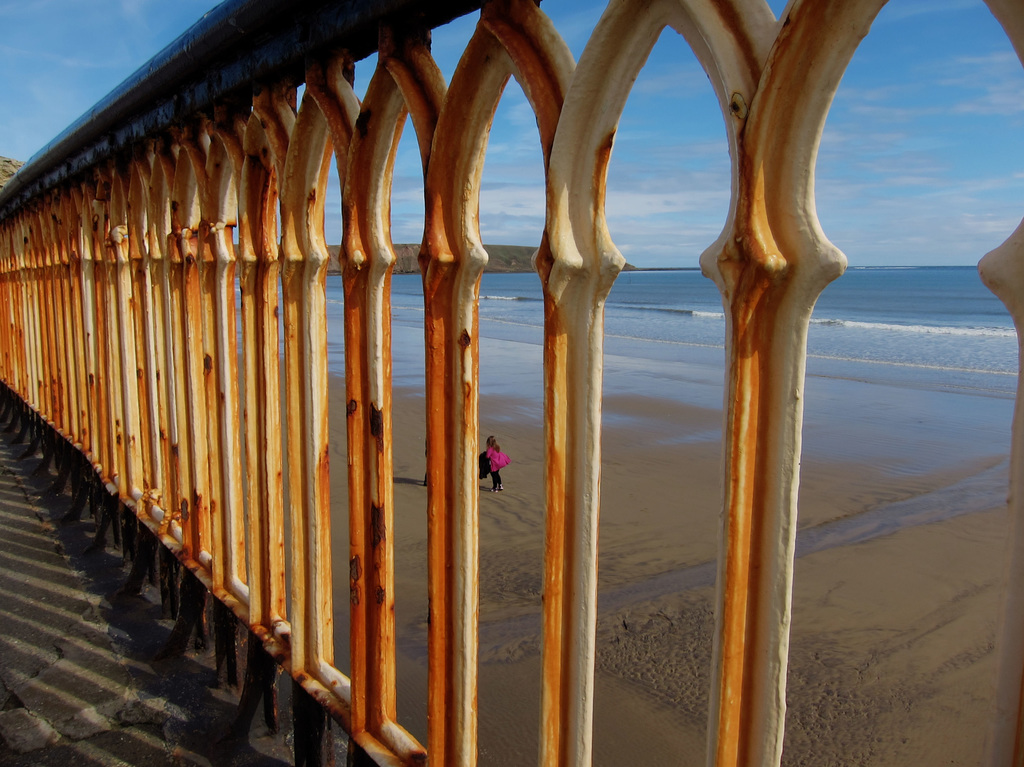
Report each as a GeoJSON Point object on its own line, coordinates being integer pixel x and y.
{"type": "Point", "coordinates": [922, 159]}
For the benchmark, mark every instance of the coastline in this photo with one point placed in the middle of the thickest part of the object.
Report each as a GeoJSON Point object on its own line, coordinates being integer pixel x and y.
{"type": "Point", "coordinates": [893, 624]}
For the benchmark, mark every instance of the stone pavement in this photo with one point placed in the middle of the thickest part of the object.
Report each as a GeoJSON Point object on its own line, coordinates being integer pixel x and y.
{"type": "Point", "coordinates": [77, 684]}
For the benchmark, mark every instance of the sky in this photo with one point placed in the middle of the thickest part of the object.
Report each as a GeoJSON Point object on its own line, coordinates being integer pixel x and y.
{"type": "Point", "coordinates": [921, 160]}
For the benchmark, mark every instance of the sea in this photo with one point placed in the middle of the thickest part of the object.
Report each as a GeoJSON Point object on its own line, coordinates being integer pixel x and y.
{"type": "Point", "coordinates": [913, 326]}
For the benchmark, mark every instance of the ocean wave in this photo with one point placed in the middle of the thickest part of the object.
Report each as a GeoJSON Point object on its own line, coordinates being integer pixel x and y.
{"type": "Point", "coordinates": [511, 298]}
{"type": "Point", "coordinates": [862, 360]}
{"type": "Point", "coordinates": [893, 268]}
{"type": "Point", "coordinates": [665, 310]}
{"type": "Point", "coordinates": [909, 364]}
{"type": "Point", "coordinates": [941, 330]}
{"type": "Point", "coordinates": [889, 327]}
{"type": "Point", "coordinates": [666, 341]}
{"type": "Point", "coordinates": [855, 358]}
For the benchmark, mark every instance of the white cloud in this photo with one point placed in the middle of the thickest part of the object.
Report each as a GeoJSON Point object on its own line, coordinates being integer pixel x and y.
{"type": "Point", "coordinates": [951, 224]}
{"type": "Point", "coordinates": [990, 84]}
{"type": "Point", "coordinates": [680, 82]}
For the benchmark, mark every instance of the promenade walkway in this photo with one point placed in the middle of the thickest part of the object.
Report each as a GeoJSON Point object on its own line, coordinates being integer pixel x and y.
{"type": "Point", "coordinates": [77, 684]}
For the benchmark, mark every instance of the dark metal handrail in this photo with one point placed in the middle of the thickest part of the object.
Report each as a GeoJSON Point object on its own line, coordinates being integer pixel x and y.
{"type": "Point", "coordinates": [230, 47]}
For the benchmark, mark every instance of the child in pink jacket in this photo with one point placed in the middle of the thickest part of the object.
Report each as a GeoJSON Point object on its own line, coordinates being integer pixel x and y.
{"type": "Point", "coordinates": [498, 462]}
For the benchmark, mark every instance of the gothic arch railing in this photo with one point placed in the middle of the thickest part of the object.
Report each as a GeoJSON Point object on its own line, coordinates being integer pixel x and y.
{"type": "Point", "coordinates": [122, 248]}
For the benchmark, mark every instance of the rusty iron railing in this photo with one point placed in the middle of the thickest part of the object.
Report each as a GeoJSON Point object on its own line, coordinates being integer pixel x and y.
{"type": "Point", "coordinates": [122, 246]}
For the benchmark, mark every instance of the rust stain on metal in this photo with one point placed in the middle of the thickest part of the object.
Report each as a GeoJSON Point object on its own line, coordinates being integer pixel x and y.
{"type": "Point", "coordinates": [355, 570]}
{"type": "Point", "coordinates": [733, 19]}
{"type": "Point", "coordinates": [603, 156]}
{"type": "Point", "coordinates": [363, 123]}
{"type": "Point", "coordinates": [377, 525]}
{"type": "Point", "coordinates": [377, 427]}
{"type": "Point", "coordinates": [465, 340]}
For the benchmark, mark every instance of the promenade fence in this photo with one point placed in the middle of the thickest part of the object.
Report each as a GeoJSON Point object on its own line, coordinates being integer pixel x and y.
{"type": "Point", "coordinates": [190, 204]}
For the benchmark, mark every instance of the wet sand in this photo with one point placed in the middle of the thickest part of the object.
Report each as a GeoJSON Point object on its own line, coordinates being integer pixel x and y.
{"type": "Point", "coordinates": [897, 581]}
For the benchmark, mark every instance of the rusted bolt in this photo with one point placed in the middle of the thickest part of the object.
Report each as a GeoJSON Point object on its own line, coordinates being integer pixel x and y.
{"type": "Point", "coordinates": [464, 339]}
{"type": "Point", "coordinates": [207, 363]}
{"type": "Point", "coordinates": [738, 105]}
{"type": "Point", "coordinates": [352, 405]}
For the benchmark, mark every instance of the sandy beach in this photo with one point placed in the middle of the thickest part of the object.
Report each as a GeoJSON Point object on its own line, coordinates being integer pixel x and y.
{"type": "Point", "coordinates": [896, 601]}
{"type": "Point", "coordinates": [898, 576]}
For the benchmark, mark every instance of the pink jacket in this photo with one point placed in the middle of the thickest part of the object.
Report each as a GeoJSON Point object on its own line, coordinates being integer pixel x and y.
{"type": "Point", "coordinates": [498, 460]}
